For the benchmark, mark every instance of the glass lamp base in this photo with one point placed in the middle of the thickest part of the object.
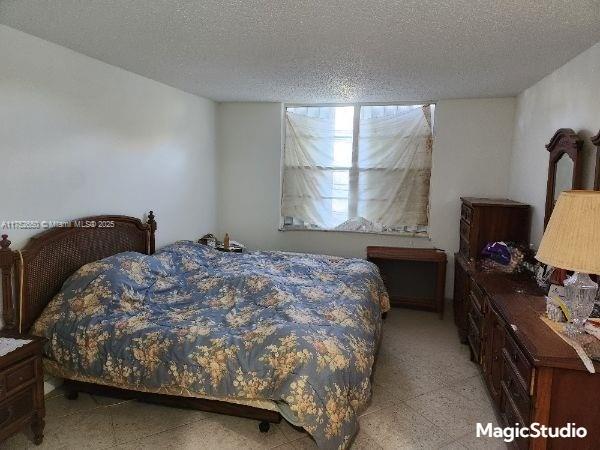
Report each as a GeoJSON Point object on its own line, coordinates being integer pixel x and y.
{"type": "Point", "coordinates": [580, 297]}
{"type": "Point", "coordinates": [573, 331]}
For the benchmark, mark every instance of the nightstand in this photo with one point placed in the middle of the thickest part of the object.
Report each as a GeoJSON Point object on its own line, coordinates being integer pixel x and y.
{"type": "Point", "coordinates": [22, 389]}
{"type": "Point", "coordinates": [231, 249]}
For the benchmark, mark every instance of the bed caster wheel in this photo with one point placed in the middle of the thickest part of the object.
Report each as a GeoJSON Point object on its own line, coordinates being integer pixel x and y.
{"type": "Point", "coordinates": [71, 395]}
{"type": "Point", "coordinates": [264, 427]}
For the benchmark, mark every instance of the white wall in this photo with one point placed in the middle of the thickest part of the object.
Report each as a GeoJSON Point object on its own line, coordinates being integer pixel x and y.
{"type": "Point", "coordinates": [471, 157]}
{"type": "Point", "coordinates": [567, 98]}
{"type": "Point", "coordinates": [79, 137]}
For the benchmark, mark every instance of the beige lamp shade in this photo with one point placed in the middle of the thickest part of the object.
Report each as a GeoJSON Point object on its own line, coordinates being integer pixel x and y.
{"type": "Point", "coordinates": [572, 237]}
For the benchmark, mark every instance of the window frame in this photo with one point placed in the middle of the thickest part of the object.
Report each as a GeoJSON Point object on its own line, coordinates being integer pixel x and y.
{"type": "Point", "coordinates": [354, 168]}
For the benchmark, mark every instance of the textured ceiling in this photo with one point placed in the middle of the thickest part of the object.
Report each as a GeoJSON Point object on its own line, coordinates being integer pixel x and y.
{"type": "Point", "coordinates": [322, 51]}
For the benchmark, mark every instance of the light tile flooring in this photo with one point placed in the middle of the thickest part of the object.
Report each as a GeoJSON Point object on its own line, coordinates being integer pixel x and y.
{"type": "Point", "coordinates": [427, 395]}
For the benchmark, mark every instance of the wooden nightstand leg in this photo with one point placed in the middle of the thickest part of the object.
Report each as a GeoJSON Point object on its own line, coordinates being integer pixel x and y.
{"type": "Point", "coordinates": [37, 428]}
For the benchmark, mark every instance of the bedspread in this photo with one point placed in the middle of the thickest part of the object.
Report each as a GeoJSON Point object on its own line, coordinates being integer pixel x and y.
{"type": "Point", "coordinates": [294, 328]}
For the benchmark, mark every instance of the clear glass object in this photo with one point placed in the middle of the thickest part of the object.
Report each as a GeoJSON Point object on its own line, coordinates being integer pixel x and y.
{"type": "Point", "coordinates": [580, 297]}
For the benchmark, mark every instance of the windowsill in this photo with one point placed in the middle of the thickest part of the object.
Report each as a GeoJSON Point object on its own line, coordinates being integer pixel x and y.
{"type": "Point", "coordinates": [411, 234]}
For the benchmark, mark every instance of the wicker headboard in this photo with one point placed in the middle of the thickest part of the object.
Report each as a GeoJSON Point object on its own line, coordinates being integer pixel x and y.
{"type": "Point", "coordinates": [49, 258]}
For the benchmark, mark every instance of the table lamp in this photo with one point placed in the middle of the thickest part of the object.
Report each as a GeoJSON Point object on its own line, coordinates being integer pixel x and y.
{"type": "Point", "coordinates": [572, 242]}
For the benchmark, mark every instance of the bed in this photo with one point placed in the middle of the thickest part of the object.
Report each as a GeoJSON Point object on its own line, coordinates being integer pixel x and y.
{"type": "Point", "coordinates": [256, 335]}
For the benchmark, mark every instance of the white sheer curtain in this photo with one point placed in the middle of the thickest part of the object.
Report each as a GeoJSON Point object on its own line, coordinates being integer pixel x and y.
{"type": "Point", "coordinates": [380, 182]}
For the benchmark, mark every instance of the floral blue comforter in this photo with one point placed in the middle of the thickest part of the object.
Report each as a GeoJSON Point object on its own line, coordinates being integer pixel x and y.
{"type": "Point", "coordinates": [293, 328]}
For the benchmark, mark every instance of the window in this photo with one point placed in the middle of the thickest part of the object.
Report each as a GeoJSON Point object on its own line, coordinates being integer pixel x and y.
{"type": "Point", "coordinates": [357, 168]}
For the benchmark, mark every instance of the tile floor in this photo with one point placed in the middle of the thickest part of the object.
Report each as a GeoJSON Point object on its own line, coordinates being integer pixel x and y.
{"type": "Point", "coordinates": [427, 395]}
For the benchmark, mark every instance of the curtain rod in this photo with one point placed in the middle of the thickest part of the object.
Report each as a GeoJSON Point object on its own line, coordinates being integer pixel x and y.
{"type": "Point", "coordinates": [304, 105]}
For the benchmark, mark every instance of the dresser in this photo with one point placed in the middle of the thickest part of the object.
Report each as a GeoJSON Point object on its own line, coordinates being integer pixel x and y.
{"type": "Point", "coordinates": [22, 389]}
{"type": "Point", "coordinates": [531, 374]}
{"type": "Point", "coordinates": [484, 220]}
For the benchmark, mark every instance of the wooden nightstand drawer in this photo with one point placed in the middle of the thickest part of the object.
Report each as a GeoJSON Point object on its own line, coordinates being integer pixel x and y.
{"type": "Point", "coordinates": [16, 408]}
{"type": "Point", "coordinates": [22, 388]}
{"type": "Point", "coordinates": [19, 375]}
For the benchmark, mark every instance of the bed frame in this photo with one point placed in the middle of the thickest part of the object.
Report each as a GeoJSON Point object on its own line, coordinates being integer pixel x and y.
{"type": "Point", "coordinates": [34, 275]}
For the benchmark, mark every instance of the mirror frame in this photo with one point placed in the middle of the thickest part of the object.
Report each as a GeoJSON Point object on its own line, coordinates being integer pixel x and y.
{"type": "Point", "coordinates": [596, 142]}
{"type": "Point", "coordinates": [564, 141]}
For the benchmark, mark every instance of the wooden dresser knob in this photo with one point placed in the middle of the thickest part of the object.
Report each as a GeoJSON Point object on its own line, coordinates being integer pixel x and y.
{"type": "Point", "coordinates": [517, 394]}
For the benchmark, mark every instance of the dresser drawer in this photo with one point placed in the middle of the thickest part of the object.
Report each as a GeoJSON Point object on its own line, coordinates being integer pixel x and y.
{"type": "Point", "coordinates": [511, 417]}
{"type": "Point", "coordinates": [466, 213]}
{"type": "Point", "coordinates": [465, 230]}
{"type": "Point", "coordinates": [513, 386]}
{"type": "Point", "coordinates": [475, 313]}
{"type": "Point", "coordinates": [474, 337]}
{"type": "Point", "coordinates": [476, 301]}
{"type": "Point", "coordinates": [518, 360]}
{"type": "Point", "coordinates": [478, 293]}
{"type": "Point", "coordinates": [17, 376]}
{"type": "Point", "coordinates": [16, 407]}
{"type": "Point", "coordinates": [464, 247]}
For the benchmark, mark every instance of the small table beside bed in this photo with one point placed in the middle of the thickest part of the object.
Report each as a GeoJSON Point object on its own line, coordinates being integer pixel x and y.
{"type": "Point", "coordinates": [257, 335]}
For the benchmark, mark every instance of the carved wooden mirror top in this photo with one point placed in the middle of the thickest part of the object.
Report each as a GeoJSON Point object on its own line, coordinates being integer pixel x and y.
{"type": "Point", "coordinates": [564, 168]}
{"type": "Point", "coordinates": [596, 142]}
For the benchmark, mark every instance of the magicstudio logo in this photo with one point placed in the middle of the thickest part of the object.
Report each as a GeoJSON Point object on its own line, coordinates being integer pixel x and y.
{"type": "Point", "coordinates": [535, 430]}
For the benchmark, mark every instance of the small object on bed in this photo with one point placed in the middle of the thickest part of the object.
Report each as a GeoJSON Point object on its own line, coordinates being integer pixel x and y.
{"type": "Point", "coordinates": [231, 247]}
{"type": "Point", "coordinates": [208, 239]}
{"type": "Point", "coordinates": [226, 241]}
{"type": "Point", "coordinates": [211, 241]}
